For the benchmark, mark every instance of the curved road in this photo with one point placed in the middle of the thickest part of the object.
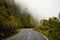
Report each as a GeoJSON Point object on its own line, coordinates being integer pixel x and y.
{"type": "Point", "coordinates": [28, 34]}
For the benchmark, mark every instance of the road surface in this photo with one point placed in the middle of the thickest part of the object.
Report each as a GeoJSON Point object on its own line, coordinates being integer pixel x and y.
{"type": "Point", "coordinates": [28, 34]}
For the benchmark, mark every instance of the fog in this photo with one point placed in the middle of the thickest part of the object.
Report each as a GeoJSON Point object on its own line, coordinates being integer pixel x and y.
{"type": "Point", "coordinates": [41, 9]}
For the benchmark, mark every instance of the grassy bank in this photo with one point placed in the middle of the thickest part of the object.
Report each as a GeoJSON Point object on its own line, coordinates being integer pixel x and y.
{"type": "Point", "coordinates": [18, 31]}
{"type": "Point", "coordinates": [50, 36]}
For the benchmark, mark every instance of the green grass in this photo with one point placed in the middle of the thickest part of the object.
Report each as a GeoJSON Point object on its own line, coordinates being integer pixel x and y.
{"type": "Point", "coordinates": [50, 36]}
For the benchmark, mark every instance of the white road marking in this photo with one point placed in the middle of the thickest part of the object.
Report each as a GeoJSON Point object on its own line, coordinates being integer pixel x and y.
{"type": "Point", "coordinates": [29, 33]}
{"type": "Point", "coordinates": [29, 36]}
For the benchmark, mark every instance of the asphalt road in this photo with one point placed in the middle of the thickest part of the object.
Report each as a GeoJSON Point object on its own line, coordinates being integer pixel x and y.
{"type": "Point", "coordinates": [28, 34]}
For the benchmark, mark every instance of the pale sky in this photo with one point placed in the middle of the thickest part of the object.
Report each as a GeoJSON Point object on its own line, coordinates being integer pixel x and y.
{"type": "Point", "coordinates": [41, 8]}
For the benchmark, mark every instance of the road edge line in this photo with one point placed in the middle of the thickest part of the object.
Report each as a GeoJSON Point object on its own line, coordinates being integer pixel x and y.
{"type": "Point", "coordinates": [44, 36]}
{"type": "Point", "coordinates": [14, 35]}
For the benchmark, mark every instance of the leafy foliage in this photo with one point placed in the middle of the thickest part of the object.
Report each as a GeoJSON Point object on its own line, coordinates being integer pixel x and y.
{"type": "Point", "coordinates": [11, 18]}
{"type": "Point", "coordinates": [52, 26]}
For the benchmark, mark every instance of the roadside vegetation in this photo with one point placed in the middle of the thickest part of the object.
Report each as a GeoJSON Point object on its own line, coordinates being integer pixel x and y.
{"type": "Point", "coordinates": [12, 19]}
{"type": "Point", "coordinates": [50, 28]}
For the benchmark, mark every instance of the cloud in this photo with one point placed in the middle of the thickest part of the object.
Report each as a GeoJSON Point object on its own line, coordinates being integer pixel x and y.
{"type": "Point", "coordinates": [41, 8]}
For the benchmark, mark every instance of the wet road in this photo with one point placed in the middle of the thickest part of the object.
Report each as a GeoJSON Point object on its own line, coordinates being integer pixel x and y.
{"type": "Point", "coordinates": [28, 34]}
